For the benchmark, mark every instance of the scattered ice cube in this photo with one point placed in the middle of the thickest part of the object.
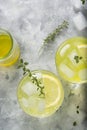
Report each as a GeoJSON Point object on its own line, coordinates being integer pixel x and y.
{"type": "Point", "coordinates": [64, 49]}
{"type": "Point", "coordinates": [77, 4]}
{"type": "Point", "coordinates": [83, 74]}
{"type": "Point", "coordinates": [24, 102]}
{"type": "Point", "coordinates": [29, 88]}
{"type": "Point", "coordinates": [66, 70]}
{"type": "Point", "coordinates": [41, 105]}
{"type": "Point", "coordinates": [80, 21]}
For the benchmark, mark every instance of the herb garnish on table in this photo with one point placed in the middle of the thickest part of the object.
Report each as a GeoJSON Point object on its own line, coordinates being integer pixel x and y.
{"type": "Point", "coordinates": [51, 36]}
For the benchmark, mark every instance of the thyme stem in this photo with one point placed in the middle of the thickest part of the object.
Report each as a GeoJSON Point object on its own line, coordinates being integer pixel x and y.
{"type": "Point", "coordinates": [34, 79]}
{"type": "Point", "coordinates": [56, 32]}
{"type": "Point", "coordinates": [51, 37]}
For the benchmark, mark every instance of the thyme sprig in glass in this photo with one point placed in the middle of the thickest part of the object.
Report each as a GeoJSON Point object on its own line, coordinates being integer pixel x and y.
{"type": "Point", "coordinates": [77, 58]}
{"type": "Point", "coordinates": [33, 77]}
{"type": "Point", "coordinates": [51, 36]}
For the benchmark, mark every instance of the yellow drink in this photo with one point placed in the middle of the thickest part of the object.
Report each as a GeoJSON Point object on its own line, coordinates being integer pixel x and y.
{"type": "Point", "coordinates": [32, 103]}
{"type": "Point", "coordinates": [71, 60]}
{"type": "Point", "coordinates": [9, 49]}
{"type": "Point", "coordinates": [5, 45]}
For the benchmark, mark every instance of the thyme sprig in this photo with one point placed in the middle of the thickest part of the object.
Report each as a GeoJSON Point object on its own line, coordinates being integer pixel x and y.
{"type": "Point", "coordinates": [51, 36]}
{"type": "Point", "coordinates": [77, 58]}
{"type": "Point", "coordinates": [56, 32]}
{"type": "Point", "coordinates": [33, 77]}
{"type": "Point", "coordinates": [83, 1]}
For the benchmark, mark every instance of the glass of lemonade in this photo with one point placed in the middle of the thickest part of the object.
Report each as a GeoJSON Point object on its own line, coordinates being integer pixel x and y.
{"type": "Point", "coordinates": [29, 96]}
{"type": "Point", "coordinates": [71, 60]}
{"type": "Point", "coordinates": [9, 49]}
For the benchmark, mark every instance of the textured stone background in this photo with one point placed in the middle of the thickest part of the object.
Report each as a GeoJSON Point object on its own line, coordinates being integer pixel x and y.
{"type": "Point", "coordinates": [30, 21]}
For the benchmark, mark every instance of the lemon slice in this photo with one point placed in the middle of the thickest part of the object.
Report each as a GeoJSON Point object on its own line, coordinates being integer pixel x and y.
{"type": "Point", "coordinates": [71, 60]}
{"type": "Point", "coordinates": [32, 103]}
{"type": "Point", "coordinates": [52, 89]}
{"type": "Point", "coordinates": [5, 45]}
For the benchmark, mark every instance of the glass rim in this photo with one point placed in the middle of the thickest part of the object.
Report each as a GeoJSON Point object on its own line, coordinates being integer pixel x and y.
{"type": "Point", "coordinates": [7, 33]}
{"type": "Point", "coordinates": [60, 86]}
{"type": "Point", "coordinates": [41, 71]}
{"type": "Point", "coordinates": [69, 39]}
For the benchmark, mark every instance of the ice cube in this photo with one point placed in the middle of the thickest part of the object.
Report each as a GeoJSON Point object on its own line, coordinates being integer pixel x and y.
{"type": "Point", "coordinates": [66, 70]}
{"type": "Point", "coordinates": [24, 102]}
{"type": "Point", "coordinates": [33, 101]}
{"type": "Point", "coordinates": [72, 55]}
{"type": "Point", "coordinates": [29, 88]}
{"type": "Point", "coordinates": [36, 103]}
{"type": "Point", "coordinates": [41, 105]}
{"type": "Point", "coordinates": [83, 74]}
{"type": "Point", "coordinates": [76, 4]}
{"type": "Point", "coordinates": [80, 21]}
{"type": "Point", "coordinates": [64, 49]}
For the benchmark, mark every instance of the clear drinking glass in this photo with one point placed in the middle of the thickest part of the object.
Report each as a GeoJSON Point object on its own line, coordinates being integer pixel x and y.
{"type": "Point", "coordinates": [9, 49]}
{"type": "Point", "coordinates": [71, 60]}
{"type": "Point", "coordinates": [30, 99]}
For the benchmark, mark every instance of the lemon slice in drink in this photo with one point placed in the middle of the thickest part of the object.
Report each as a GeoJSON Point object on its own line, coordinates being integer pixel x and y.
{"type": "Point", "coordinates": [71, 60]}
{"type": "Point", "coordinates": [5, 45]}
{"type": "Point", "coordinates": [30, 100]}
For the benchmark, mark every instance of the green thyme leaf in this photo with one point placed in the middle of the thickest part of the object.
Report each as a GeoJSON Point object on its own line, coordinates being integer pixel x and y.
{"type": "Point", "coordinates": [24, 73]}
{"type": "Point", "coordinates": [77, 58]}
{"type": "Point", "coordinates": [83, 1]}
{"type": "Point", "coordinates": [21, 60]}
{"type": "Point", "coordinates": [24, 69]}
{"type": "Point", "coordinates": [77, 107]}
{"type": "Point", "coordinates": [26, 63]}
{"type": "Point", "coordinates": [20, 66]}
{"type": "Point", "coordinates": [77, 112]}
{"type": "Point", "coordinates": [74, 123]}
{"type": "Point", "coordinates": [80, 57]}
